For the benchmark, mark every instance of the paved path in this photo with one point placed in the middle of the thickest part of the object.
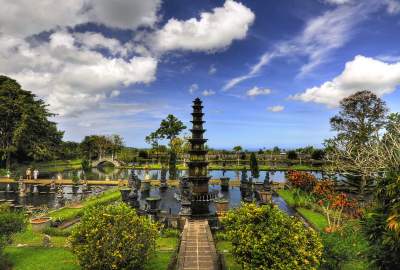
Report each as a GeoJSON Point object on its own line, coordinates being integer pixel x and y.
{"type": "Point", "coordinates": [197, 250]}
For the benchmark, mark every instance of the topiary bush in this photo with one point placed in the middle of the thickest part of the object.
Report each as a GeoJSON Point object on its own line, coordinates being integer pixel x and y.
{"type": "Point", "coordinates": [266, 238]}
{"type": "Point", "coordinates": [113, 237]}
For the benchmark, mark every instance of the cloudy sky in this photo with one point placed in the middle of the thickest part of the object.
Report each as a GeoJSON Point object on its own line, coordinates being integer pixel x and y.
{"type": "Point", "coordinates": [269, 72]}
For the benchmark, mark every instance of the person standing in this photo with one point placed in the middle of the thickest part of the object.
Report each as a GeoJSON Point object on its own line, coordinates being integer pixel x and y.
{"type": "Point", "coordinates": [35, 174]}
{"type": "Point", "coordinates": [28, 174]}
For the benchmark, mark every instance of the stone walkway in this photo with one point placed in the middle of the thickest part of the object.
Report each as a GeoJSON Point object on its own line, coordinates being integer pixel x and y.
{"type": "Point", "coordinates": [197, 250]}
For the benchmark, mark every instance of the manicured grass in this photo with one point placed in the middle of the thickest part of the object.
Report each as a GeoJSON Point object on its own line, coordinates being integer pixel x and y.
{"type": "Point", "coordinates": [287, 196]}
{"type": "Point", "coordinates": [317, 219]}
{"type": "Point", "coordinates": [224, 247]}
{"type": "Point", "coordinates": [35, 239]}
{"type": "Point", "coordinates": [34, 258]}
{"type": "Point", "coordinates": [166, 243]}
{"type": "Point", "coordinates": [71, 213]}
{"type": "Point", "coordinates": [160, 260]}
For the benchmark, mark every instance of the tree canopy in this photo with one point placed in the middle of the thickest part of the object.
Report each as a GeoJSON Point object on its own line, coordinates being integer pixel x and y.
{"type": "Point", "coordinates": [25, 129]}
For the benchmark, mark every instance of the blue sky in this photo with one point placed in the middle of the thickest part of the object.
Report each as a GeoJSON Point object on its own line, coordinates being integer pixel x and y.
{"type": "Point", "coordinates": [269, 72]}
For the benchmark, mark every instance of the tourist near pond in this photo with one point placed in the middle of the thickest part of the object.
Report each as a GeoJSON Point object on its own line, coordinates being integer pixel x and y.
{"type": "Point", "coordinates": [220, 135]}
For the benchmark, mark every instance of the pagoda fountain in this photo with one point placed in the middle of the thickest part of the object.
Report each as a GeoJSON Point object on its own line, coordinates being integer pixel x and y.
{"type": "Point", "coordinates": [195, 197]}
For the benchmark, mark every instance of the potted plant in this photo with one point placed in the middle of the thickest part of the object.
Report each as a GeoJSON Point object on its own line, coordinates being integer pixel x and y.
{"type": "Point", "coordinates": [40, 219]}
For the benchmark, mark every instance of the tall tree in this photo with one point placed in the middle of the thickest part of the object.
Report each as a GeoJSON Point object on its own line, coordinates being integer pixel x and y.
{"type": "Point", "coordinates": [170, 128]}
{"type": "Point", "coordinates": [361, 117]}
{"type": "Point", "coordinates": [117, 143]}
{"type": "Point", "coordinates": [24, 125]}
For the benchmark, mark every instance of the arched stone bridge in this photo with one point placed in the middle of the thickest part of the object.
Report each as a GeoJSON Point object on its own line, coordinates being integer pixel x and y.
{"type": "Point", "coordinates": [115, 162]}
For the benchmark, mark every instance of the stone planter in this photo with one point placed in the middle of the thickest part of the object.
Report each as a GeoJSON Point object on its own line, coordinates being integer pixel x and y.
{"type": "Point", "coordinates": [39, 224]}
{"type": "Point", "coordinates": [125, 194]}
{"type": "Point", "coordinates": [221, 205]}
{"type": "Point", "coordinates": [224, 183]}
{"type": "Point", "coordinates": [258, 186]}
{"type": "Point", "coordinates": [154, 204]}
{"type": "Point", "coordinates": [265, 196]}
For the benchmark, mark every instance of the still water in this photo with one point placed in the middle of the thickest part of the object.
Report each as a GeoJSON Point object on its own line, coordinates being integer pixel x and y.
{"type": "Point", "coordinates": [168, 201]}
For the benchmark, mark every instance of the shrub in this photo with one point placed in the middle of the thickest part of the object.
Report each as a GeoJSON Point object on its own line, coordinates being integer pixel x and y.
{"type": "Point", "coordinates": [340, 247]}
{"type": "Point", "coordinates": [113, 237]}
{"type": "Point", "coordinates": [292, 155]}
{"type": "Point", "coordinates": [303, 180]}
{"type": "Point", "coordinates": [266, 238]}
{"type": "Point", "coordinates": [10, 223]}
{"type": "Point", "coordinates": [170, 233]}
{"type": "Point", "coordinates": [318, 154]}
{"type": "Point", "coordinates": [254, 166]}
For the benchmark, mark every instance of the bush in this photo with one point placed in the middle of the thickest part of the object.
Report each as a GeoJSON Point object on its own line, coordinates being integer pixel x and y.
{"type": "Point", "coordinates": [292, 155]}
{"type": "Point", "coordinates": [10, 223]}
{"type": "Point", "coordinates": [113, 237]}
{"type": "Point", "coordinates": [318, 154]}
{"type": "Point", "coordinates": [170, 233]}
{"type": "Point", "coordinates": [266, 238]}
{"type": "Point", "coordinates": [303, 180]}
{"type": "Point", "coordinates": [342, 246]}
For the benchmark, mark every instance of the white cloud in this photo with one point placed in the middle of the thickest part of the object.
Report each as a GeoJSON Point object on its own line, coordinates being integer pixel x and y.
{"type": "Point", "coordinates": [94, 41]}
{"type": "Point", "coordinates": [393, 6]}
{"type": "Point", "coordinates": [125, 14]}
{"type": "Point", "coordinates": [71, 79]}
{"type": "Point", "coordinates": [207, 93]}
{"type": "Point", "coordinates": [193, 88]}
{"type": "Point", "coordinates": [212, 31]}
{"type": "Point", "coordinates": [276, 108]}
{"type": "Point", "coordinates": [25, 17]}
{"type": "Point", "coordinates": [212, 70]}
{"type": "Point", "coordinates": [338, 2]}
{"type": "Point", "coordinates": [256, 91]}
{"type": "Point", "coordinates": [362, 73]}
{"type": "Point", "coordinates": [320, 36]}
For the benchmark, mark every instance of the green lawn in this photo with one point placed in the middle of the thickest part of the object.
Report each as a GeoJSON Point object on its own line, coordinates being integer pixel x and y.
{"type": "Point", "coordinates": [59, 257]}
{"type": "Point", "coordinates": [71, 213]}
{"type": "Point", "coordinates": [287, 196]}
{"type": "Point", "coordinates": [317, 219]}
{"type": "Point", "coordinates": [224, 247]}
{"type": "Point", "coordinates": [35, 258]}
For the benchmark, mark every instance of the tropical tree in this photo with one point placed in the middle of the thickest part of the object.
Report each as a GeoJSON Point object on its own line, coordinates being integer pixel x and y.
{"type": "Point", "coordinates": [117, 143]}
{"type": "Point", "coordinates": [169, 129]}
{"type": "Point", "coordinates": [24, 125]}
{"type": "Point", "coordinates": [292, 155]}
{"type": "Point", "coordinates": [382, 223]}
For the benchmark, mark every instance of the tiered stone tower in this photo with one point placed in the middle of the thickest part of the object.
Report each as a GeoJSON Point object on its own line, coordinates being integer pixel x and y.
{"type": "Point", "coordinates": [195, 198]}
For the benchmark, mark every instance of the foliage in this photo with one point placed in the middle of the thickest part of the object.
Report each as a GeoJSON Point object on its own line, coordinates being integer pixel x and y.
{"type": "Point", "coordinates": [342, 246]}
{"type": "Point", "coordinates": [113, 237]}
{"type": "Point", "coordinates": [172, 166]}
{"type": "Point", "coordinates": [243, 175]}
{"type": "Point", "coordinates": [56, 232]}
{"type": "Point", "coordinates": [97, 146]}
{"type": "Point", "coordinates": [10, 223]}
{"type": "Point", "coordinates": [303, 180]}
{"type": "Point", "coordinates": [318, 154]}
{"type": "Point", "coordinates": [25, 131]}
{"type": "Point", "coordinates": [85, 165]}
{"type": "Point", "coordinates": [266, 238]}
{"type": "Point", "coordinates": [292, 155]}
{"type": "Point", "coordinates": [75, 178]}
{"type": "Point", "coordinates": [360, 119]}
{"type": "Point", "coordinates": [170, 233]}
{"type": "Point", "coordinates": [333, 206]}
{"type": "Point", "coordinates": [255, 172]}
